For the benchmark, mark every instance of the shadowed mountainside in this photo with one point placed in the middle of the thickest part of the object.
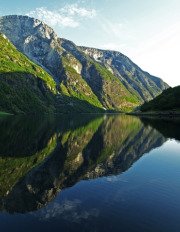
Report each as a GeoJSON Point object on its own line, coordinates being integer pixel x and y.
{"type": "Point", "coordinates": [167, 100]}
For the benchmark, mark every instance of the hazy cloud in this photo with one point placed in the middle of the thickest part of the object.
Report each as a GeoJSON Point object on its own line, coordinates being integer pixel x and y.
{"type": "Point", "coordinates": [113, 46]}
{"type": "Point", "coordinates": [74, 10]}
{"type": "Point", "coordinates": [111, 28]}
{"type": "Point", "coordinates": [69, 16]}
{"type": "Point", "coordinates": [53, 18]}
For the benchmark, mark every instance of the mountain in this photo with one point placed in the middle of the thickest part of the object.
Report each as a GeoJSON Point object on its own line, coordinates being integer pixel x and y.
{"type": "Point", "coordinates": [28, 88]}
{"type": "Point", "coordinates": [25, 86]}
{"type": "Point", "coordinates": [138, 82]}
{"type": "Point", "coordinates": [101, 79]}
{"type": "Point", "coordinates": [94, 148]}
{"type": "Point", "coordinates": [167, 100]}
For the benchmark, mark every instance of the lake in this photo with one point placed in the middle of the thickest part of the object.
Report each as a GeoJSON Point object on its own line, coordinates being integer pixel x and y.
{"type": "Point", "coordinates": [89, 173]}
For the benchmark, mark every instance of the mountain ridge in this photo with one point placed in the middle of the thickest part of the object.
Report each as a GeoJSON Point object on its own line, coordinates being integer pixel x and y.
{"type": "Point", "coordinates": [76, 73]}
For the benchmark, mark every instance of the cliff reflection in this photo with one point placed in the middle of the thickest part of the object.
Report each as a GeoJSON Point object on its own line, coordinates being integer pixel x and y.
{"type": "Point", "coordinates": [59, 154]}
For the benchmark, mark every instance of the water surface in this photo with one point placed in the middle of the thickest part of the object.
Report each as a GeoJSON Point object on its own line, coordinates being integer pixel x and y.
{"type": "Point", "coordinates": [89, 173]}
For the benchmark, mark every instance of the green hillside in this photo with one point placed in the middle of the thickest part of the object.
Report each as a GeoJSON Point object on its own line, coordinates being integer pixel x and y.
{"type": "Point", "coordinates": [62, 77]}
{"type": "Point", "coordinates": [168, 100]}
{"type": "Point", "coordinates": [113, 93]}
{"type": "Point", "coordinates": [72, 83]}
{"type": "Point", "coordinates": [28, 88]}
{"type": "Point", "coordinates": [25, 87]}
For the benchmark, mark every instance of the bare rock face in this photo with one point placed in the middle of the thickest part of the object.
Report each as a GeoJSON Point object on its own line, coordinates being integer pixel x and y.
{"type": "Point", "coordinates": [134, 78]}
{"type": "Point", "coordinates": [35, 39]}
{"type": "Point", "coordinates": [136, 81]}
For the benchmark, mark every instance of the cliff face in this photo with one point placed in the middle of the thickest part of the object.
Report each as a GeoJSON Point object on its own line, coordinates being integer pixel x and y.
{"type": "Point", "coordinates": [137, 81]}
{"type": "Point", "coordinates": [35, 39]}
{"type": "Point", "coordinates": [104, 79]}
{"type": "Point", "coordinates": [101, 147]}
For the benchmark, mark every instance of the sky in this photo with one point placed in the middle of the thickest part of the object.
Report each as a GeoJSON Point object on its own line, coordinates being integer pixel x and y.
{"type": "Point", "coordinates": [147, 31]}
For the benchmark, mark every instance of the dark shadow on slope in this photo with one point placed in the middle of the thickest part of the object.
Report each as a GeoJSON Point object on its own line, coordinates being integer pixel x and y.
{"type": "Point", "coordinates": [89, 72]}
{"type": "Point", "coordinates": [22, 92]}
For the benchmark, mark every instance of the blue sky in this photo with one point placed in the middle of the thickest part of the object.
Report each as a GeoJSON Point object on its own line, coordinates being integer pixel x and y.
{"type": "Point", "coordinates": [147, 31]}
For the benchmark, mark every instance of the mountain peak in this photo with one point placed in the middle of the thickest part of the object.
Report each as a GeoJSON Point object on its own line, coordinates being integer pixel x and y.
{"type": "Point", "coordinates": [33, 38]}
{"type": "Point", "coordinates": [26, 23]}
{"type": "Point", "coordinates": [106, 79]}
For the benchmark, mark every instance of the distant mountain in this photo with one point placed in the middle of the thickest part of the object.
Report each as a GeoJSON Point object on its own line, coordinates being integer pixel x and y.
{"type": "Point", "coordinates": [88, 79]}
{"type": "Point", "coordinates": [137, 81]}
{"type": "Point", "coordinates": [168, 100]}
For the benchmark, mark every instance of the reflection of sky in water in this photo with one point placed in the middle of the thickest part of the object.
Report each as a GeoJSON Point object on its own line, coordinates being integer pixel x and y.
{"type": "Point", "coordinates": [147, 189]}
{"type": "Point", "coordinates": [68, 210]}
{"type": "Point", "coordinates": [108, 174]}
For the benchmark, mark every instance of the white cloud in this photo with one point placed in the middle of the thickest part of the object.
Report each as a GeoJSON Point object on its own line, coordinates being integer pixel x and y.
{"type": "Point", "coordinates": [69, 16]}
{"type": "Point", "coordinates": [74, 10]}
{"type": "Point", "coordinates": [53, 18]}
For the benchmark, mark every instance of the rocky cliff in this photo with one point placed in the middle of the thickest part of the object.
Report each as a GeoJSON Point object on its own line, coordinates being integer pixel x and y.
{"type": "Point", "coordinates": [104, 79]}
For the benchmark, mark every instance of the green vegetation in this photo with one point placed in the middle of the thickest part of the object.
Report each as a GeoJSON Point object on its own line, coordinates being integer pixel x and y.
{"type": "Point", "coordinates": [74, 143]}
{"type": "Point", "coordinates": [25, 87]}
{"type": "Point", "coordinates": [169, 100]}
{"type": "Point", "coordinates": [115, 132]}
{"type": "Point", "coordinates": [12, 169]}
{"type": "Point", "coordinates": [4, 113]}
{"type": "Point", "coordinates": [74, 85]}
{"type": "Point", "coordinates": [11, 60]}
{"type": "Point", "coordinates": [72, 151]}
{"type": "Point", "coordinates": [116, 95]}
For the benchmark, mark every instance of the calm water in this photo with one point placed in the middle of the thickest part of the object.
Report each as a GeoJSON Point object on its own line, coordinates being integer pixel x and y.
{"type": "Point", "coordinates": [89, 173]}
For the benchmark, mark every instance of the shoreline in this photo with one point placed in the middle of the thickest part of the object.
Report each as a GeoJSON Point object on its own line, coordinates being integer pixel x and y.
{"type": "Point", "coordinates": [157, 113]}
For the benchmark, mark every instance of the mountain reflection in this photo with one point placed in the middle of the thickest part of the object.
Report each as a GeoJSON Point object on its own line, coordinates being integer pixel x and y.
{"type": "Point", "coordinates": [169, 127]}
{"type": "Point", "coordinates": [40, 157]}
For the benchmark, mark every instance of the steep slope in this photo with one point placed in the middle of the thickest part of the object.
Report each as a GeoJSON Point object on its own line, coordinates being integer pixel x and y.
{"type": "Point", "coordinates": [168, 100]}
{"type": "Point", "coordinates": [108, 88]}
{"type": "Point", "coordinates": [39, 42]}
{"type": "Point", "coordinates": [137, 81]}
{"type": "Point", "coordinates": [25, 87]}
{"type": "Point", "coordinates": [72, 84]}
{"type": "Point", "coordinates": [104, 79]}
